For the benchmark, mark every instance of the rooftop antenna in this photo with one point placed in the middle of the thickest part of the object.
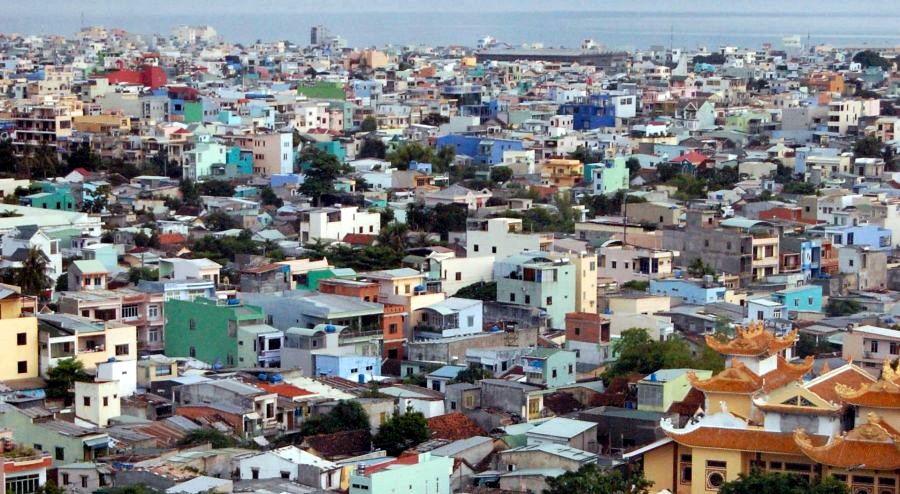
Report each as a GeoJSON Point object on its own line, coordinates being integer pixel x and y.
{"type": "Point", "coordinates": [671, 42]}
{"type": "Point", "coordinates": [82, 20]}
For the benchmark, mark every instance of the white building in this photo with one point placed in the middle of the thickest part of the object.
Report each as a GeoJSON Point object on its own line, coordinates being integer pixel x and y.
{"type": "Point", "coordinates": [19, 240]}
{"type": "Point", "coordinates": [96, 403]}
{"type": "Point", "coordinates": [451, 317]}
{"type": "Point", "coordinates": [335, 223]}
{"type": "Point", "coordinates": [502, 237]}
{"type": "Point", "coordinates": [292, 463]}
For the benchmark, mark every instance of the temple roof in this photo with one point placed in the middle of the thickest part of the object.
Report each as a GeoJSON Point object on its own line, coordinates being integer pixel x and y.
{"type": "Point", "coordinates": [752, 341]}
{"type": "Point", "coordinates": [870, 446]}
{"type": "Point", "coordinates": [848, 375]}
{"type": "Point", "coordinates": [795, 399]}
{"type": "Point", "coordinates": [739, 379]}
{"type": "Point", "coordinates": [725, 431]}
{"type": "Point", "coordinates": [884, 393]}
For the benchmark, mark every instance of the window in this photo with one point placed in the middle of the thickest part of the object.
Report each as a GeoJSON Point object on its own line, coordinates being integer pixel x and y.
{"type": "Point", "coordinates": [122, 349]}
{"type": "Point", "coordinates": [613, 264]}
{"type": "Point", "coordinates": [469, 401]}
{"type": "Point", "coordinates": [458, 276]}
{"type": "Point", "coordinates": [84, 481]}
{"type": "Point", "coordinates": [285, 475]}
{"type": "Point", "coordinates": [512, 297]}
{"type": "Point", "coordinates": [392, 328]}
{"type": "Point", "coordinates": [153, 312]}
{"type": "Point", "coordinates": [873, 346]}
{"type": "Point", "coordinates": [475, 247]}
{"type": "Point", "coordinates": [471, 321]}
{"type": "Point", "coordinates": [106, 401]}
{"type": "Point", "coordinates": [527, 299]}
{"type": "Point", "coordinates": [87, 401]}
{"type": "Point", "coordinates": [549, 300]}
{"type": "Point", "coordinates": [130, 312]}
{"type": "Point", "coordinates": [23, 484]}
{"type": "Point", "coordinates": [23, 367]}
{"type": "Point", "coordinates": [577, 331]}
{"type": "Point", "coordinates": [553, 373]}
{"type": "Point", "coordinates": [895, 348]}
{"type": "Point", "coordinates": [192, 324]}
{"type": "Point", "coordinates": [192, 352]}
{"type": "Point", "coordinates": [494, 249]}
{"type": "Point", "coordinates": [21, 339]}
{"type": "Point", "coordinates": [65, 479]}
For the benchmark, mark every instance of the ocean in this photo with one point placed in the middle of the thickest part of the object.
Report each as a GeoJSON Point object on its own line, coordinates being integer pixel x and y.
{"type": "Point", "coordinates": [612, 28]}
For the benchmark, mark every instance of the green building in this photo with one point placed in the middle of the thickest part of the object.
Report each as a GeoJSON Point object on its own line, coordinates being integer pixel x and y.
{"type": "Point", "coordinates": [550, 367]}
{"type": "Point", "coordinates": [51, 196]}
{"type": "Point", "coordinates": [65, 441]}
{"type": "Point", "coordinates": [609, 177]}
{"type": "Point", "coordinates": [659, 390]}
{"type": "Point", "coordinates": [193, 111]}
{"type": "Point", "coordinates": [222, 333]}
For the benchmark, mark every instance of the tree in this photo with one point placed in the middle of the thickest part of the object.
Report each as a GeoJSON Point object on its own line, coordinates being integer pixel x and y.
{"type": "Point", "coordinates": [712, 59]}
{"type": "Point", "coordinates": [634, 167]}
{"type": "Point", "coordinates": [501, 174]}
{"type": "Point", "coordinates": [61, 378]}
{"type": "Point", "coordinates": [797, 187]}
{"type": "Point", "coordinates": [135, 275]}
{"type": "Point", "coordinates": [407, 152]}
{"type": "Point", "coordinates": [394, 236]}
{"type": "Point", "coordinates": [472, 375]}
{"type": "Point", "coordinates": [372, 148]}
{"type": "Point", "coordinates": [369, 124]}
{"type": "Point", "coordinates": [62, 283]}
{"type": "Point", "coordinates": [9, 162]}
{"type": "Point", "coordinates": [43, 162]}
{"type": "Point", "coordinates": [638, 353]}
{"type": "Point", "coordinates": [867, 147]}
{"type": "Point", "coordinates": [268, 197]}
{"type": "Point", "coordinates": [638, 285]}
{"type": "Point", "coordinates": [218, 221]}
{"type": "Point", "coordinates": [217, 188]}
{"type": "Point", "coordinates": [324, 169]}
{"type": "Point", "coordinates": [483, 290]}
{"type": "Point", "coordinates": [32, 276]}
{"type": "Point", "coordinates": [591, 479]}
{"type": "Point", "coordinates": [132, 489]}
{"type": "Point", "coordinates": [401, 432]}
{"type": "Point", "coordinates": [807, 345]}
{"type": "Point", "coordinates": [82, 157]}
{"type": "Point", "coordinates": [839, 307]}
{"type": "Point", "coordinates": [204, 435]}
{"type": "Point", "coordinates": [759, 482]}
{"type": "Point", "coordinates": [869, 58]}
{"type": "Point", "coordinates": [189, 193]}
{"type": "Point", "coordinates": [585, 155]}
{"type": "Point", "coordinates": [345, 416]}
{"type": "Point", "coordinates": [698, 269]}
{"type": "Point", "coordinates": [435, 119]}
{"type": "Point", "coordinates": [444, 158]}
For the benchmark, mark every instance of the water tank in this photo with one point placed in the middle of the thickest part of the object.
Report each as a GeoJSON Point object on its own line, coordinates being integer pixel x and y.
{"type": "Point", "coordinates": [111, 359]}
{"type": "Point", "coordinates": [495, 329]}
{"type": "Point", "coordinates": [361, 378]}
{"type": "Point", "coordinates": [677, 274]}
{"type": "Point", "coordinates": [275, 378]}
{"type": "Point", "coordinates": [419, 288]}
{"type": "Point", "coordinates": [330, 328]}
{"type": "Point", "coordinates": [262, 376]}
{"type": "Point", "coordinates": [653, 377]}
{"type": "Point", "coordinates": [233, 301]}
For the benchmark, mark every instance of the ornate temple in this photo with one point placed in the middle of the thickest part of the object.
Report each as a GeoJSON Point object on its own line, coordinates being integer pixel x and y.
{"type": "Point", "coordinates": [768, 413]}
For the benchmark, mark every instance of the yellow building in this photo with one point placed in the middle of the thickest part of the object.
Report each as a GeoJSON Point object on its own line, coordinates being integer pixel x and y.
{"type": "Point", "coordinates": [761, 414]}
{"type": "Point", "coordinates": [563, 172]}
{"type": "Point", "coordinates": [18, 335]}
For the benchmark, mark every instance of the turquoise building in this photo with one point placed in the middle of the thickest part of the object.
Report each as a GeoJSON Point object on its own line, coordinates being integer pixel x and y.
{"type": "Point", "coordinates": [806, 298]}
{"type": "Point", "coordinates": [609, 177]}
{"type": "Point", "coordinates": [533, 279]}
{"type": "Point", "coordinates": [550, 367]}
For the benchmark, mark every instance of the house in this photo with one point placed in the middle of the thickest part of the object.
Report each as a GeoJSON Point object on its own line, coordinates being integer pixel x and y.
{"type": "Point", "coordinates": [657, 391]}
{"type": "Point", "coordinates": [428, 402]}
{"type": "Point", "coordinates": [496, 360]}
{"type": "Point", "coordinates": [502, 237]}
{"type": "Point", "coordinates": [440, 377]}
{"type": "Point", "coordinates": [84, 478]}
{"type": "Point", "coordinates": [18, 335]}
{"type": "Point", "coordinates": [473, 200]}
{"type": "Point", "coordinates": [177, 268]}
{"type": "Point", "coordinates": [549, 367]}
{"type": "Point", "coordinates": [426, 472]}
{"type": "Point", "coordinates": [451, 317]}
{"type": "Point", "coordinates": [764, 309]}
{"type": "Point", "coordinates": [609, 177]}
{"type": "Point", "coordinates": [222, 332]}
{"type": "Point", "coordinates": [624, 263]}
{"type": "Point", "coordinates": [41, 430]}
{"type": "Point", "coordinates": [588, 336]}
{"type": "Point", "coordinates": [87, 275]}
{"type": "Point", "coordinates": [292, 463]}
{"type": "Point", "coordinates": [807, 298]}
{"type": "Point", "coordinates": [96, 403]}
{"type": "Point", "coordinates": [689, 291]}
{"type": "Point", "coordinates": [538, 280]}
{"type": "Point", "coordinates": [335, 223]}
{"type": "Point", "coordinates": [249, 410]}
{"type": "Point", "coordinates": [17, 242]}
{"type": "Point", "coordinates": [578, 434]}
{"type": "Point", "coordinates": [870, 346]}
{"type": "Point", "coordinates": [332, 350]}
{"type": "Point", "coordinates": [64, 336]}
{"type": "Point", "coordinates": [268, 278]}
{"type": "Point", "coordinates": [143, 309]}
{"type": "Point", "coordinates": [543, 454]}
{"type": "Point", "coordinates": [563, 172]}
{"type": "Point", "coordinates": [22, 469]}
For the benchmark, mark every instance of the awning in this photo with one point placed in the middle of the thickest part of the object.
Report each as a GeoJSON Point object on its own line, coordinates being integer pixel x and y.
{"type": "Point", "coordinates": [97, 442]}
{"type": "Point", "coordinates": [252, 416]}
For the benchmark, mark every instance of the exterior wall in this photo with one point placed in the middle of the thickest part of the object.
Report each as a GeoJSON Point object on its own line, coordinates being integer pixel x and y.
{"type": "Point", "coordinates": [72, 448]}
{"type": "Point", "coordinates": [431, 474]}
{"type": "Point", "coordinates": [214, 337]}
{"type": "Point", "coordinates": [351, 220]}
{"type": "Point", "coordinates": [97, 402]}
{"type": "Point", "coordinates": [585, 282]}
{"type": "Point", "coordinates": [501, 239]}
{"type": "Point", "coordinates": [659, 214]}
{"type": "Point", "coordinates": [459, 272]}
{"type": "Point", "coordinates": [273, 154]}
{"type": "Point", "coordinates": [687, 291]}
{"type": "Point", "coordinates": [10, 329]}
{"type": "Point", "coordinates": [611, 177]}
{"type": "Point", "coordinates": [659, 468]}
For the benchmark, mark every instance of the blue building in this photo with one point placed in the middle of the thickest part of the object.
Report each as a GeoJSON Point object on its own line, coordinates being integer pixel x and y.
{"type": "Point", "coordinates": [593, 112]}
{"type": "Point", "coordinates": [691, 292]}
{"type": "Point", "coordinates": [806, 298]}
{"type": "Point", "coordinates": [871, 236]}
{"type": "Point", "coordinates": [357, 368]}
{"type": "Point", "coordinates": [483, 150]}
{"type": "Point", "coordinates": [485, 111]}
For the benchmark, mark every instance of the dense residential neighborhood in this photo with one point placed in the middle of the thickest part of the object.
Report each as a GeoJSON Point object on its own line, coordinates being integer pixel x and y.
{"type": "Point", "coordinates": [312, 268]}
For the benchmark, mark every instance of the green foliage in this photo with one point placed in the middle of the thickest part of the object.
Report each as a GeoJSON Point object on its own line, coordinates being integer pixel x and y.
{"type": "Point", "coordinates": [9, 162]}
{"type": "Point", "coordinates": [372, 148]}
{"type": "Point", "coordinates": [268, 197]}
{"type": "Point", "coordinates": [369, 124]}
{"type": "Point", "coordinates": [639, 285]}
{"type": "Point", "coordinates": [634, 167]}
{"type": "Point", "coordinates": [472, 375]}
{"type": "Point", "coordinates": [545, 219]}
{"type": "Point", "coordinates": [214, 437]}
{"type": "Point", "coordinates": [401, 432]}
{"type": "Point", "coordinates": [81, 156]}
{"type": "Point", "coordinates": [585, 155]}
{"type": "Point", "coordinates": [807, 345]}
{"type": "Point", "coordinates": [501, 174]}
{"type": "Point", "coordinates": [62, 283]}
{"type": "Point", "coordinates": [190, 195]}
{"type": "Point", "coordinates": [407, 152]}
{"type": "Point", "coordinates": [640, 354]}
{"type": "Point", "coordinates": [216, 188]}
{"type": "Point", "coordinates": [838, 307]}
{"type": "Point", "coordinates": [591, 479]}
{"type": "Point", "coordinates": [394, 236]}
{"type": "Point", "coordinates": [443, 218]}
{"type": "Point", "coordinates": [608, 205]}
{"type": "Point", "coordinates": [96, 201]}
{"type": "Point", "coordinates": [223, 250]}
{"type": "Point", "coordinates": [32, 277]}
{"type": "Point", "coordinates": [131, 489]}
{"type": "Point", "coordinates": [758, 482]}
{"type": "Point", "coordinates": [345, 416]}
{"type": "Point", "coordinates": [689, 186]}
{"type": "Point", "coordinates": [42, 162]}
{"type": "Point", "coordinates": [61, 378]}
{"type": "Point", "coordinates": [867, 147]}
{"type": "Point", "coordinates": [219, 221]}
{"type": "Point", "coordinates": [698, 269]}
{"type": "Point", "coordinates": [135, 275]}
{"type": "Point", "coordinates": [712, 59]}
{"type": "Point", "coordinates": [324, 169]}
{"type": "Point", "coordinates": [799, 188]}
{"type": "Point", "coordinates": [869, 58]}
{"type": "Point", "coordinates": [49, 488]}
{"type": "Point", "coordinates": [483, 290]}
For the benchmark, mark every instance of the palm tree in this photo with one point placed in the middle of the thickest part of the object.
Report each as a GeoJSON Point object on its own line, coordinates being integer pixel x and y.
{"type": "Point", "coordinates": [32, 276]}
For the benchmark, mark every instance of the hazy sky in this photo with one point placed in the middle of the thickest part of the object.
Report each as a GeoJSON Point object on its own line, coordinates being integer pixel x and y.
{"type": "Point", "coordinates": [157, 7]}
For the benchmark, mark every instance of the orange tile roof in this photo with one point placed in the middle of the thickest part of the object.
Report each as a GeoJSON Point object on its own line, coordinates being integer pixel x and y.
{"type": "Point", "coordinates": [849, 375]}
{"type": "Point", "coordinates": [741, 440]}
{"type": "Point", "coordinates": [285, 390]}
{"type": "Point", "coordinates": [752, 341]}
{"type": "Point", "coordinates": [736, 379]}
{"type": "Point", "coordinates": [868, 444]}
{"type": "Point", "coordinates": [884, 393]}
{"type": "Point", "coordinates": [785, 373]}
{"type": "Point", "coordinates": [454, 426]}
{"type": "Point", "coordinates": [410, 459]}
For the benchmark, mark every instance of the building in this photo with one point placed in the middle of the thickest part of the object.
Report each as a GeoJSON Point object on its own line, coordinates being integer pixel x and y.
{"type": "Point", "coordinates": [577, 434]}
{"type": "Point", "coordinates": [869, 346]}
{"type": "Point", "coordinates": [624, 263]}
{"type": "Point", "coordinates": [96, 403]}
{"type": "Point", "coordinates": [549, 367]}
{"type": "Point", "coordinates": [41, 430]}
{"type": "Point", "coordinates": [588, 335]}
{"type": "Point", "coordinates": [807, 298]}
{"type": "Point", "coordinates": [473, 200]}
{"type": "Point", "coordinates": [502, 237]}
{"type": "Point", "coordinates": [420, 470]}
{"type": "Point", "coordinates": [335, 223]}
{"type": "Point", "coordinates": [563, 173]}
{"type": "Point", "coordinates": [17, 243]}
{"type": "Point", "coordinates": [91, 341]}
{"type": "Point", "coordinates": [693, 292]}
{"type": "Point", "coordinates": [222, 333]}
{"type": "Point", "coordinates": [610, 177]}
{"type": "Point", "coordinates": [657, 391]}
{"type": "Point", "coordinates": [451, 317]}
{"type": "Point", "coordinates": [22, 470]}
{"type": "Point", "coordinates": [176, 268]}
{"type": "Point", "coordinates": [535, 279]}
{"type": "Point", "coordinates": [143, 309]}
{"type": "Point", "coordinates": [18, 334]}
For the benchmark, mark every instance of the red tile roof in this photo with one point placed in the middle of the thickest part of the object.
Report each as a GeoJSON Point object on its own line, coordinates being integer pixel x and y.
{"type": "Point", "coordinates": [453, 427]}
{"type": "Point", "coordinates": [410, 459]}
{"type": "Point", "coordinates": [171, 239]}
{"type": "Point", "coordinates": [359, 239]}
{"type": "Point", "coordinates": [286, 390]}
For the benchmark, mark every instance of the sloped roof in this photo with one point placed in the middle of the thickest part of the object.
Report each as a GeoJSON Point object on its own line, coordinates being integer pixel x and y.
{"type": "Point", "coordinates": [453, 426]}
